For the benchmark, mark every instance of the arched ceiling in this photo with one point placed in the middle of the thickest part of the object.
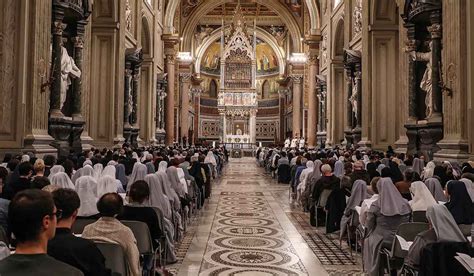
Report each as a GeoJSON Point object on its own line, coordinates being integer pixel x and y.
{"type": "Point", "coordinates": [275, 10]}
{"type": "Point", "coordinates": [208, 6]}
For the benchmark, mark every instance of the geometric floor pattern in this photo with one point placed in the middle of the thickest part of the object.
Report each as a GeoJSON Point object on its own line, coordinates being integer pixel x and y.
{"type": "Point", "coordinates": [246, 239]}
{"type": "Point", "coordinates": [249, 227]}
{"type": "Point", "coordinates": [326, 249]}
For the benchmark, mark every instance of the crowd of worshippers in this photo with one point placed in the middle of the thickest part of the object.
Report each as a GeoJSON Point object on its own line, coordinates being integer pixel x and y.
{"type": "Point", "coordinates": [370, 198]}
{"type": "Point", "coordinates": [58, 215]}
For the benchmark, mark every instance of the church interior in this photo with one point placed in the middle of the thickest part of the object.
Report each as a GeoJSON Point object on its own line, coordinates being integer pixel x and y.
{"type": "Point", "coordinates": [243, 78]}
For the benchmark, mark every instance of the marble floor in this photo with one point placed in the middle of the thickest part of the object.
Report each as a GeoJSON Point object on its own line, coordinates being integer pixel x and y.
{"type": "Point", "coordinates": [249, 227]}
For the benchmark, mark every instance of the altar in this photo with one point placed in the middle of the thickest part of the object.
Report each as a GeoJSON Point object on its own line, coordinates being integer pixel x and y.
{"type": "Point", "coordinates": [237, 139]}
{"type": "Point", "coordinates": [237, 98]}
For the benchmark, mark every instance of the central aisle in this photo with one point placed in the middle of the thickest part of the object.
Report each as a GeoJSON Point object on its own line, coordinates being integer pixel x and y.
{"type": "Point", "coordinates": [244, 230]}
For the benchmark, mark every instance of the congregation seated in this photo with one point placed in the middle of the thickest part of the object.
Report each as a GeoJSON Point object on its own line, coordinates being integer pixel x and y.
{"type": "Point", "coordinates": [383, 218]}
{"type": "Point", "coordinates": [422, 199]}
{"type": "Point", "coordinates": [460, 203]}
{"type": "Point", "coordinates": [19, 181]}
{"type": "Point", "coordinates": [351, 218]}
{"type": "Point", "coordinates": [434, 186]}
{"type": "Point", "coordinates": [66, 247]}
{"type": "Point", "coordinates": [329, 195]}
{"type": "Point", "coordinates": [33, 217]}
{"type": "Point", "coordinates": [443, 228]}
{"type": "Point", "coordinates": [404, 186]}
{"type": "Point", "coordinates": [138, 210]}
{"type": "Point", "coordinates": [110, 230]}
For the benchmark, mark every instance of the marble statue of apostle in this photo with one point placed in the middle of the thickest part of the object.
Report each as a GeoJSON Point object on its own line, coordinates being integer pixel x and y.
{"type": "Point", "coordinates": [68, 70]}
{"type": "Point", "coordinates": [426, 83]}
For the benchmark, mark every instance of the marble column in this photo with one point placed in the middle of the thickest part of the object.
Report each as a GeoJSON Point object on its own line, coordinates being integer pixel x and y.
{"type": "Point", "coordinates": [312, 102]}
{"type": "Point", "coordinates": [436, 34]}
{"type": "Point", "coordinates": [170, 42]}
{"type": "Point", "coordinates": [297, 108]}
{"type": "Point", "coordinates": [127, 95]}
{"type": "Point", "coordinates": [135, 93]}
{"type": "Point", "coordinates": [77, 102]}
{"type": "Point", "coordinates": [358, 83]}
{"type": "Point", "coordinates": [169, 125]}
{"type": "Point", "coordinates": [185, 80]}
{"type": "Point", "coordinates": [348, 78]}
{"type": "Point", "coordinates": [55, 96]}
{"type": "Point", "coordinates": [253, 126]}
{"type": "Point", "coordinates": [224, 127]}
{"type": "Point", "coordinates": [456, 95]}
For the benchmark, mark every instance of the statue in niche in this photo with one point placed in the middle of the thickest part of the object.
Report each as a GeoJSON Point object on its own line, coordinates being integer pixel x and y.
{"type": "Point", "coordinates": [324, 53]}
{"type": "Point", "coordinates": [353, 98]}
{"type": "Point", "coordinates": [130, 98]}
{"type": "Point", "coordinates": [128, 15]}
{"type": "Point", "coordinates": [426, 83]}
{"type": "Point", "coordinates": [358, 17]}
{"type": "Point", "coordinates": [69, 70]}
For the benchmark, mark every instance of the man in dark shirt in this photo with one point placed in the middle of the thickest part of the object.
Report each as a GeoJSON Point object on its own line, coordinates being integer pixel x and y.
{"type": "Point", "coordinates": [137, 210]}
{"type": "Point", "coordinates": [78, 252]}
{"type": "Point", "coordinates": [21, 183]}
{"type": "Point", "coordinates": [32, 218]}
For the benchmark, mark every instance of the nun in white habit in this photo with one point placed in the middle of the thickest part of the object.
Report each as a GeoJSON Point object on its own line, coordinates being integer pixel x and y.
{"type": "Point", "coordinates": [358, 195]}
{"type": "Point", "coordinates": [157, 198]}
{"type": "Point", "coordinates": [428, 171]}
{"type": "Point", "coordinates": [304, 180]}
{"type": "Point", "coordinates": [138, 173]}
{"type": "Point", "coordinates": [86, 188]}
{"type": "Point", "coordinates": [383, 218]}
{"type": "Point", "coordinates": [54, 170]}
{"type": "Point", "coordinates": [421, 197]}
{"type": "Point", "coordinates": [105, 185]}
{"type": "Point", "coordinates": [111, 171]}
{"type": "Point", "coordinates": [166, 185]}
{"type": "Point", "coordinates": [61, 180]}
{"type": "Point", "coordinates": [443, 228]}
{"type": "Point", "coordinates": [171, 194]}
{"type": "Point", "coordinates": [87, 170]}
{"type": "Point", "coordinates": [159, 201]}
{"type": "Point", "coordinates": [434, 186]}
{"type": "Point", "coordinates": [175, 182]}
{"type": "Point", "coordinates": [98, 168]}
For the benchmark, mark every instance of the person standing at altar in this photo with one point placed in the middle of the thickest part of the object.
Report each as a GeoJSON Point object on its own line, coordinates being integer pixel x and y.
{"type": "Point", "coordinates": [294, 142]}
{"type": "Point", "coordinates": [287, 142]}
{"type": "Point", "coordinates": [301, 143]}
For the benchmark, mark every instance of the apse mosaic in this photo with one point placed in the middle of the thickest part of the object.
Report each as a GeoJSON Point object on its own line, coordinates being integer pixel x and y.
{"type": "Point", "coordinates": [266, 61]}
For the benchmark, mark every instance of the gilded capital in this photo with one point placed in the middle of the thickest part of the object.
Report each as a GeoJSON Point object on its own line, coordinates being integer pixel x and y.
{"type": "Point", "coordinates": [297, 78]}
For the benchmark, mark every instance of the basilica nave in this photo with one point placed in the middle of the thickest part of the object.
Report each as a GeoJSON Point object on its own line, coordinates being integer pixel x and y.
{"type": "Point", "coordinates": [237, 87]}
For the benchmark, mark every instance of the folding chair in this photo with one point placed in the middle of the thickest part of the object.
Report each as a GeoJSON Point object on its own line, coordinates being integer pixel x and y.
{"type": "Point", "coordinates": [322, 203]}
{"type": "Point", "coordinates": [115, 259]}
{"type": "Point", "coordinates": [419, 216]}
{"type": "Point", "coordinates": [408, 231]}
{"type": "Point", "coordinates": [144, 242]}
